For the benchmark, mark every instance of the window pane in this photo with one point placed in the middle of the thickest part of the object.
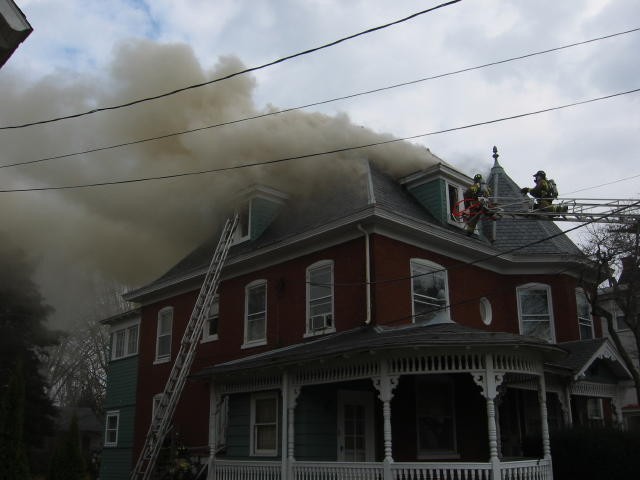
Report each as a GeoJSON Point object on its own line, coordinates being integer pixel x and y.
{"type": "Point", "coordinates": [534, 302]}
{"type": "Point", "coordinates": [132, 341]}
{"type": "Point", "coordinates": [119, 347]}
{"type": "Point", "coordinates": [429, 291]}
{"type": "Point", "coordinates": [266, 437]}
{"type": "Point", "coordinates": [265, 410]}
{"type": "Point", "coordinates": [257, 299]}
{"type": "Point", "coordinates": [164, 346]}
{"type": "Point", "coordinates": [536, 329]}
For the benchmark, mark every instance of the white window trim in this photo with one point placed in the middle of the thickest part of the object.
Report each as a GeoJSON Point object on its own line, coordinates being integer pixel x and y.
{"type": "Point", "coordinates": [461, 189]}
{"type": "Point", "coordinates": [205, 327]}
{"type": "Point", "coordinates": [262, 453]}
{"type": "Point", "coordinates": [486, 312]}
{"type": "Point", "coordinates": [309, 332]}
{"type": "Point", "coordinates": [444, 315]}
{"type": "Point", "coordinates": [116, 414]}
{"type": "Point", "coordinates": [126, 326]}
{"type": "Point", "coordinates": [260, 341]}
{"type": "Point", "coordinates": [237, 238]}
{"type": "Point", "coordinates": [580, 291]}
{"type": "Point", "coordinates": [552, 324]}
{"type": "Point", "coordinates": [438, 382]}
{"type": "Point", "coordinates": [164, 358]}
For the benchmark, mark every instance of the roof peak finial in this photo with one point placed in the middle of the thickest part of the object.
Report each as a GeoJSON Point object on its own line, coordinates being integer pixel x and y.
{"type": "Point", "coordinates": [495, 155]}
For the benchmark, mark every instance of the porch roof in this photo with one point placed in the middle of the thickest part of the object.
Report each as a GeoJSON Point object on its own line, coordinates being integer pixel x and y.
{"type": "Point", "coordinates": [382, 338]}
{"type": "Point", "coordinates": [584, 353]}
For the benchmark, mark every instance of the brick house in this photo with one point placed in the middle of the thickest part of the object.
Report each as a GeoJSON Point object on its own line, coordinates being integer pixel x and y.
{"type": "Point", "coordinates": [361, 333]}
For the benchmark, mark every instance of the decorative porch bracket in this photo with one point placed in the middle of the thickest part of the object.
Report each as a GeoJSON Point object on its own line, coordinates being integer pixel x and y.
{"type": "Point", "coordinates": [386, 384]}
{"type": "Point", "coordinates": [489, 380]}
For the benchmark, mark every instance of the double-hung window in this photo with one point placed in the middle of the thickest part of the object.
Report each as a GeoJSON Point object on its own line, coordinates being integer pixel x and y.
{"type": "Point", "coordinates": [534, 311]}
{"type": "Point", "coordinates": [264, 424]}
{"type": "Point", "coordinates": [429, 292]}
{"type": "Point", "coordinates": [163, 339]}
{"type": "Point", "coordinates": [112, 421]}
{"type": "Point", "coordinates": [210, 327]}
{"type": "Point", "coordinates": [255, 321]}
{"type": "Point", "coordinates": [124, 341]}
{"type": "Point", "coordinates": [320, 298]}
{"type": "Point", "coordinates": [585, 322]}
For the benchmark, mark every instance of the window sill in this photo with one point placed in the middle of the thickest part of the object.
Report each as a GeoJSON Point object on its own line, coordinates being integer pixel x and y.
{"type": "Point", "coordinates": [208, 339]}
{"type": "Point", "coordinates": [254, 343]}
{"type": "Point", "coordinates": [159, 361]}
{"type": "Point", "coordinates": [317, 333]}
{"type": "Point", "coordinates": [123, 357]}
{"type": "Point", "coordinates": [110, 445]}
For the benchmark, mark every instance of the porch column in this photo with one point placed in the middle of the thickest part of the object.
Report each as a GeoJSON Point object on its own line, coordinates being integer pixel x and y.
{"type": "Point", "coordinates": [213, 415]}
{"type": "Point", "coordinates": [292, 400]}
{"type": "Point", "coordinates": [385, 384]}
{"type": "Point", "coordinates": [542, 396]}
{"type": "Point", "coordinates": [489, 380]}
{"type": "Point", "coordinates": [565, 402]}
{"type": "Point", "coordinates": [284, 421]}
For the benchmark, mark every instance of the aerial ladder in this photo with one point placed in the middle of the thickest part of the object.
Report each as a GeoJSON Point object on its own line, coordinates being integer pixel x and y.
{"type": "Point", "coordinates": [163, 414]}
{"type": "Point", "coordinates": [592, 210]}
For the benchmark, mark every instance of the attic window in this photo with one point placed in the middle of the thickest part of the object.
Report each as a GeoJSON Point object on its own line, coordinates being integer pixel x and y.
{"type": "Point", "coordinates": [454, 196]}
{"type": "Point", "coordinates": [244, 215]}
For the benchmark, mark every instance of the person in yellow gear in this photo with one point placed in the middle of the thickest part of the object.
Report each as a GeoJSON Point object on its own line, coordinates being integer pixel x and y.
{"type": "Point", "coordinates": [475, 201]}
{"type": "Point", "coordinates": [544, 193]}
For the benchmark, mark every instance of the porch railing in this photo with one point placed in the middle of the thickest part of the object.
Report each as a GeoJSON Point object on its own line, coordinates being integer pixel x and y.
{"type": "Point", "coordinates": [441, 471]}
{"type": "Point", "coordinates": [527, 470]}
{"type": "Point", "coordinates": [337, 471]}
{"type": "Point", "coordinates": [245, 470]}
{"type": "Point", "coordinates": [252, 470]}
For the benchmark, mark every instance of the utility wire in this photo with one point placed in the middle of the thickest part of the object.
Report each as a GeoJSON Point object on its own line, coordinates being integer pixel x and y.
{"type": "Point", "coordinates": [321, 102]}
{"type": "Point", "coordinates": [235, 74]}
{"type": "Point", "coordinates": [317, 154]}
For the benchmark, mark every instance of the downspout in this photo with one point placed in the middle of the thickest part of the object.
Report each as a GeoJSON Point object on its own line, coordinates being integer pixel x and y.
{"type": "Point", "coordinates": [367, 272]}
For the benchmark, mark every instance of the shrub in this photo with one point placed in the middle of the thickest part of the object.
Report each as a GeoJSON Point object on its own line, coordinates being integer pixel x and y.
{"type": "Point", "coordinates": [595, 453]}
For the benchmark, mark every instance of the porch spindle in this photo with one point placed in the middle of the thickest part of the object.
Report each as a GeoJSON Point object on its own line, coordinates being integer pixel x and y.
{"type": "Point", "coordinates": [542, 396]}
{"type": "Point", "coordinates": [385, 384]}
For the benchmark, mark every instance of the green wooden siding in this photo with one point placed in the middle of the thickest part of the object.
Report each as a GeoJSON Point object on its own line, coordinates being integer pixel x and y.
{"type": "Point", "coordinates": [122, 377]}
{"type": "Point", "coordinates": [316, 424]}
{"type": "Point", "coordinates": [433, 197]}
{"type": "Point", "coordinates": [116, 461]}
{"type": "Point", "coordinates": [263, 212]}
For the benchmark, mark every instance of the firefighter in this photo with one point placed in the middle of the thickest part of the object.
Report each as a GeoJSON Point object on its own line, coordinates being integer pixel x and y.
{"type": "Point", "coordinates": [476, 202]}
{"type": "Point", "coordinates": [544, 192]}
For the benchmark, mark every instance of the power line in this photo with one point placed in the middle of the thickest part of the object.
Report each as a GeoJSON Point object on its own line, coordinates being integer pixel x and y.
{"type": "Point", "coordinates": [321, 102]}
{"type": "Point", "coordinates": [317, 154]}
{"type": "Point", "coordinates": [235, 74]}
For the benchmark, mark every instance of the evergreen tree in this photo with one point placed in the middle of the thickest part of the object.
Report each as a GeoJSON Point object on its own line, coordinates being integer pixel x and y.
{"type": "Point", "coordinates": [67, 462]}
{"type": "Point", "coordinates": [23, 339]}
{"type": "Point", "coordinates": [14, 464]}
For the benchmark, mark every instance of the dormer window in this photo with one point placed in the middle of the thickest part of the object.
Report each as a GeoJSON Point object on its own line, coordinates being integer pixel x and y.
{"type": "Point", "coordinates": [454, 197]}
{"type": "Point", "coordinates": [258, 206]}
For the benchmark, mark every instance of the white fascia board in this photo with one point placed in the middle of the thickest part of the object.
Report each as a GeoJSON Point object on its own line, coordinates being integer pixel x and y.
{"type": "Point", "coordinates": [14, 16]}
{"type": "Point", "coordinates": [607, 351]}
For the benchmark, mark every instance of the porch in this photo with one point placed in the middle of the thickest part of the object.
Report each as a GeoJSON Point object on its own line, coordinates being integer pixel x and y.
{"type": "Point", "coordinates": [435, 415]}
{"type": "Point", "coordinates": [508, 470]}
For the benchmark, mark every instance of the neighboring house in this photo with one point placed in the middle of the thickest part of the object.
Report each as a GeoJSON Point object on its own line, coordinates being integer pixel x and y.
{"type": "Point", "coordinates": [120, 402]}
{"type": "Point", "coordinates": [14, 29]}
{"type": "Point", "coordinates": [358, 332]}
{"type": "Point", "coordinates": [631, 404]}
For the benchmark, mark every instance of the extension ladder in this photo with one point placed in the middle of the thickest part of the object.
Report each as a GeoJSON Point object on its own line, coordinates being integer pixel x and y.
{"type": "Point", "coordinates": [160, 424]}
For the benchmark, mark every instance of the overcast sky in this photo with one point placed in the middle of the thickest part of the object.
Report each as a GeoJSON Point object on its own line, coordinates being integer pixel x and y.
{"type": "Point", "coordinates": [90, 53]}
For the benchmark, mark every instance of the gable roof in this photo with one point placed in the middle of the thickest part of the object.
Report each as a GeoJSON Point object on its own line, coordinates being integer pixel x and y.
{"type": "Point", "coordinates": [584, 353]}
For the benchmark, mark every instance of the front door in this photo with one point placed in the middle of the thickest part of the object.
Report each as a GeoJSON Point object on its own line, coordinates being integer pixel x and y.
{"type": "Point", "coordinates": [355, 426]}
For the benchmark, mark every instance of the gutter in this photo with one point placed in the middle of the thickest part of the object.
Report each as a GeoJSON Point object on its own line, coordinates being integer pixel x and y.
{"type": "Point", "coordinates": [367, 273]}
